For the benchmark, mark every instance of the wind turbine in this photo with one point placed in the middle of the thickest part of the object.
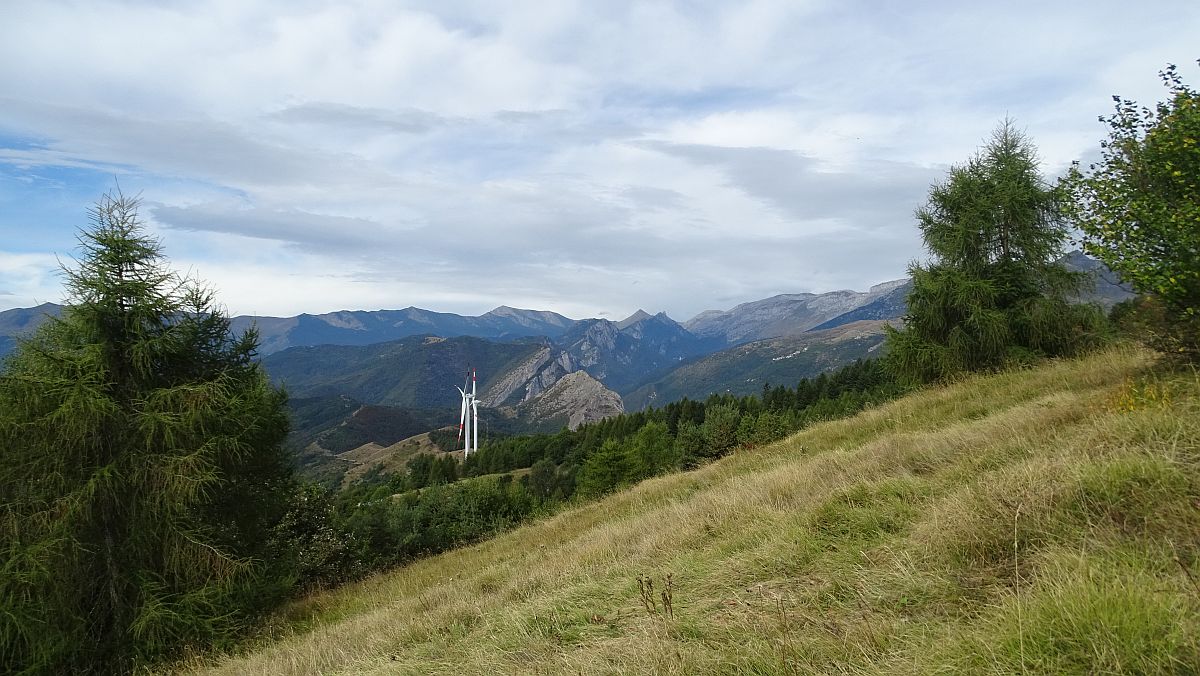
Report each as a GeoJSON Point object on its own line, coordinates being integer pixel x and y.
{"type": "Point", "coordinates": [468, 416]}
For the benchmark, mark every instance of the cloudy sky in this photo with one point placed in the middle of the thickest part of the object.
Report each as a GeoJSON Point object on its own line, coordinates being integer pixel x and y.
{"type": "Point", "coordinates": [585, 157]}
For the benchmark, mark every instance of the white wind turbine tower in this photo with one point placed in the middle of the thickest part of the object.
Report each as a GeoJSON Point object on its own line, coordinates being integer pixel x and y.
{"type": "Point", "coordinates": [468, 419]}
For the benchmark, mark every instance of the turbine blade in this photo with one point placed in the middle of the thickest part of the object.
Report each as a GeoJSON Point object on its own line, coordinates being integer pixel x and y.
{"type": "Point", "coordinates": [462, 416]}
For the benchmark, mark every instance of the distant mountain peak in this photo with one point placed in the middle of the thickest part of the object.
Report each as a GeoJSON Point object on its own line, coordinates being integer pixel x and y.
{"type": "Point", "coordinates": [523, 320]}
{"type": "Point", "coordinates": [884, 287]}
{"type": "Point", "coordinates": [633, 319]}
{"type": "Point", "coordinates": [577, 398]}
{"type": "Point", "coordinates": [785, 314]}
{"type": "Point", "coordinates": [19, 321]}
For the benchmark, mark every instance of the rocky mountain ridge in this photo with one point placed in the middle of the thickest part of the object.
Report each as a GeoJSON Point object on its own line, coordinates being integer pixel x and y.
{"type": "Point", "coordinates": [783, 315]}
{"type": "Point", "coordinates": [575, 399]}
{"type": "Point", "coordinates": [777, 316]}
{"type": "Point", "coordinates": [362, 327]}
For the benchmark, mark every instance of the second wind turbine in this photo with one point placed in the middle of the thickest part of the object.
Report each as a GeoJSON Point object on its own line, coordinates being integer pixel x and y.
{"type": "Point", "coordinates": [468, 419]}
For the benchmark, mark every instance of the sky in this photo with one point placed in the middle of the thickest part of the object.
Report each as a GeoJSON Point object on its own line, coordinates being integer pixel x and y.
{"type": "Point", "coordinates": [589, 158]}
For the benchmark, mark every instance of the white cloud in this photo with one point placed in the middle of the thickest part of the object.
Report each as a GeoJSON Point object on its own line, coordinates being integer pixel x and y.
{"type": "Point", "coordinates": [28, 279]}
{"type": "Point", "coordinates": [589, 158]}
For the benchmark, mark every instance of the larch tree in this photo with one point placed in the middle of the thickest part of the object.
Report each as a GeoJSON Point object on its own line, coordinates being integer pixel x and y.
{"type": "Point", "coordinates": [142, 467]}
{"type": "Point", "coordinates": [992, 291]}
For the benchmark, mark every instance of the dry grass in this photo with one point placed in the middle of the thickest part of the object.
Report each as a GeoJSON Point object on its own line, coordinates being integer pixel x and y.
{"type": "Point", "coordinates": [391, 459]}
{"type": "Point", "coordinates": [1040, 521]}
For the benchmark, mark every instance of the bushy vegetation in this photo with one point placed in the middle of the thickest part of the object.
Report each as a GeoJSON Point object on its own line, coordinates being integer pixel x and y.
{"type": "Point", "coordinates": [1139, 209]}
{"type": "Point", "coordinates": [143, 468]}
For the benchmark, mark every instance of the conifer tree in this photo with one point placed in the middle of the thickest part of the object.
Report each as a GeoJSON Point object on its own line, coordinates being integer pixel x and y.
{"type": "Point", "coordinates": [141, 466]}
{"type": "Point", "coordinates": [992, 292]}
{"type": "Point", "coordinates": [604, 469]}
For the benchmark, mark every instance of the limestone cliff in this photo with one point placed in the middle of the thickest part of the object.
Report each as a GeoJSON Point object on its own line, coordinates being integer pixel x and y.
{"type": "Point", "coordinates": [517, 379]}
{"type": "Point", "coordinates": [576, 398]}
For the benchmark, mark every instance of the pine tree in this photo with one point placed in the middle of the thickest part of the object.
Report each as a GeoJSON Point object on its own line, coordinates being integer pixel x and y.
{"type": "Point", "coordinates": [142, 466]}
{"type": "Point", "coordinates": [993, 292]}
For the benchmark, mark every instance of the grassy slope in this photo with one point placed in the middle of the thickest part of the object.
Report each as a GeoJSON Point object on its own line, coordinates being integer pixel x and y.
{"type": "Point", "coordinates": [1042, 521]}
{"type": "Point", "coordinates": [391, 459]}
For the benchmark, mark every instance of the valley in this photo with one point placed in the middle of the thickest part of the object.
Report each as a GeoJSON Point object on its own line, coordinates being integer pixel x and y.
{"type": "Point", "coordinates": [370, 379]}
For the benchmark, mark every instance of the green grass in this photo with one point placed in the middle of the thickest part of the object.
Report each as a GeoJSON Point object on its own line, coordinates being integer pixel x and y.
{"type": "Point", "coordinates": [1038, 521]}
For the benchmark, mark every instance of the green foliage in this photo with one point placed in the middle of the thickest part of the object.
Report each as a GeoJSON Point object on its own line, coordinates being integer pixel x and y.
{"type": "Point", "coordinates": [768, 426]}
{"type": "Point", "coordinates": [380, 530]}
{"type": "Point", "coordinates": [720, 429]}
{"type": "Point", "coordinates": [428, 470]}
{"type": "Point", "coordinates": [445, 439]}
{"type": "Point", "coordinates": [383, 521]}
{"type": "Point", "coordinates": [652, 450]}
{"type": "Point", "coordinates": [142, 470]}
{"type": "Point", "coordinates": [604, 470]}
{"type": "Point", "coordinates": [320, 552]}
{"type": "Point", "coordinates": [992, 294]}
{"type": "Point", "coordinates": [689, 443]}
{"type": "Point", "coordinates": [542, 478]}
{"type": "Point", "coordinates": [1139, 207]}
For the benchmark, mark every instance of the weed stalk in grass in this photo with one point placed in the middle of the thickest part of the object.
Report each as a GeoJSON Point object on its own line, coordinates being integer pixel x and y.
{"type": "Point", "coordinates": [1186, 571]}
{"type": "Point", "coordinates": [646, 588]}
{"type": "Point", "coordinates": [785, 623]}
{"type": "Point", "coordinates": [1017, 586]}
{"type": "Point", "coordinates": [667, 597]}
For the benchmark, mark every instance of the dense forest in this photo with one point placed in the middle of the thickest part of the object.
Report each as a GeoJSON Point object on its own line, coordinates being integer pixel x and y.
{"type": "Point", "coordinates": [440, 502]}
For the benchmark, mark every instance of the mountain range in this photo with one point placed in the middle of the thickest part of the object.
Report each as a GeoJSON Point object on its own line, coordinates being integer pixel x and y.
{"type": "Point", "coordinates": [360, 377]}
{"type": "Point", "coordinates": [782, 315]}
{"type": "Point", "coordinates": [789, 314]}
{"type": "Point", "coordinates": [744, 369]}
{"type": "Point", "coordinates": [361, 327]}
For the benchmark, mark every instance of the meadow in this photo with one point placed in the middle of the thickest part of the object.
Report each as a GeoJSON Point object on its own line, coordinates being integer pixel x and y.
{"type": "Point", "coordinates": [1040, 520]}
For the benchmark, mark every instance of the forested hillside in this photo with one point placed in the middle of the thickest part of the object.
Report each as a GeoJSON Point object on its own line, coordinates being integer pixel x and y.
{"type": "Point", "coordinates": [436, 500]}
{"type": "Point", "coordinates": [1040, 520]}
